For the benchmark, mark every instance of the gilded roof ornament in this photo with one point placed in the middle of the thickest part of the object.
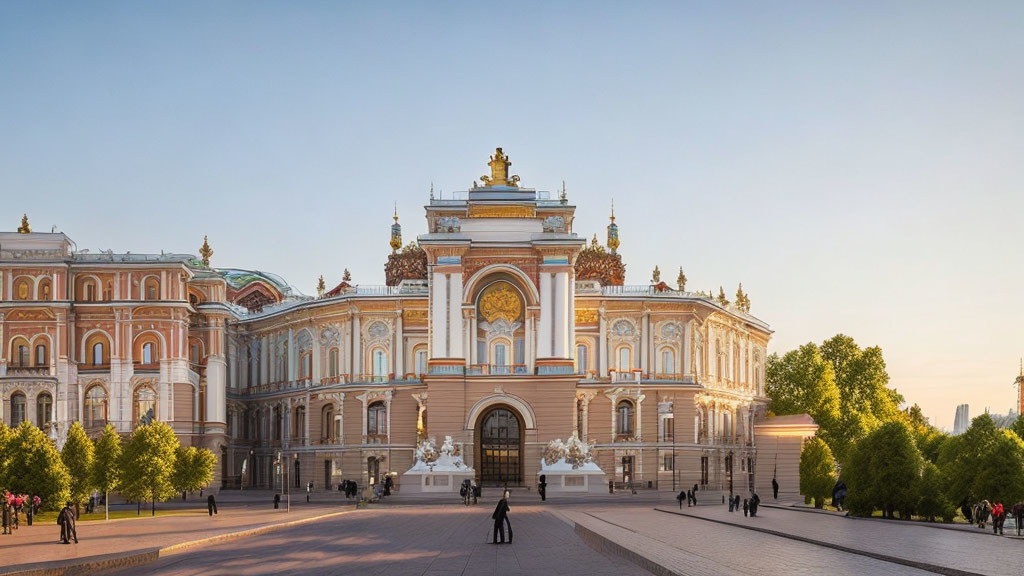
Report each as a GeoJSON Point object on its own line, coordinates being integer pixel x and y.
{"type": "Point", "coordinates": [742, 300]}
{"type": "Point", "coordinates": [320, 287]}
{"type": "Point", "coordinates": [563, 197]}
{"type": "Point", "coordinates": [205, 251]}
{"type": "Point", "coordinates": [346, 276]}
{"type": "Point", "coordinates": [396, 233]}
{"type": "Point", "coordinates": [613, 232]}
{"type": "Point", "coordinates": [681, 280]}
{"type": "Point", "coordinates": [656, 275]}
{"type": "Point", "coordinates": [24, 228]}
{"type": "Point", "coordinates": [499, 171]}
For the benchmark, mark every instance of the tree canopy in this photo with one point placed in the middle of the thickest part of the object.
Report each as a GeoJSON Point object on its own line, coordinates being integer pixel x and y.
{"type": "Point", "coordinates": [842, 386]}
{"type": "Point", "coordinates": [817, 471]}
{"type": "Point", "coordinates": [193, 468]}
{"type": "Point", "coordinates": [884, 472]}
{"type": "Point", "coordinates": [77, 456]}
{"type": "Point", "coordinates": [984, 463]}
{"type": "Point", "coordinates": [106, 460]}
{"type": "Point", "coordinates": [147, 464]}
{"type": "Point", "coordinates": [35, 467]}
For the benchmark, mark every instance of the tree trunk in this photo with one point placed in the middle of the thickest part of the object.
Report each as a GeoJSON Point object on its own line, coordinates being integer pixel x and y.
{"type": "Point", "coordinates": [106, 504]}
{"type": "Point", "coordinates": [153, 510]}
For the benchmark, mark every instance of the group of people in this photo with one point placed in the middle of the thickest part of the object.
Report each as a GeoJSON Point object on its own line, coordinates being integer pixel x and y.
{"type": "Point", "coordinates": [749, 505]}
{"type": "Point", "coordinates": [67, 518]}
{"type": "Point", "coordinates": [689, 495]}
{"type": "Point", "coordinates": [470, 491]}
{"type": "Point", "coordinates": [349, 487]}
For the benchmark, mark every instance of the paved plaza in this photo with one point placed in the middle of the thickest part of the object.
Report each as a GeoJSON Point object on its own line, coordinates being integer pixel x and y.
{"type": "Point", "coordinates": [604, 535]}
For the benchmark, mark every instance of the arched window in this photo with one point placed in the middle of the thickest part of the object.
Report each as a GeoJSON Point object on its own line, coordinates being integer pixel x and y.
{"type": "Point", "coordinates": [44, 290]}
{"type": "Point", "coordinates": [625, 417]}
{"type": "Point", "coordinates": [306, 365]}
{"type": "Point", "coordinates": [44, 410]}
{"type": "Point", "coordinates": [581, 359]}
{"type": "Point", "coordinates": [95, 407]}
{"type": "Point", "coordinates": [625, 359]}
{"type": "Point", "coordinates": [668, 361]}
{"type": "Point", "coordinates": [23, 358]}
{"type": "Point", "coordinates": [148, 357]}
{"type": "Point", "coordinates": [500, 355]}
{"type": "Point", "coordinates": [300, 422]}
{"type": "Point", "coordinates": [97, 354]}
{"type": "Point", "coordinates": [421, 361]}
{"type": "Point", "coordinates": [376, 419]}
{"type": "Point", "coordinates": [277, 423]}
{"type": "Point", "coordinates": [152, 289]}
{"type": "Point", "coordinates": [22, 288]}
{"type": "Point", "coordinates": [332, 362]}
{"type": "Point", "coordinates": [327, 424]}
{"type": "Point", "coordinates": [194, 353]}
{"type": "Point", "coordinates": [17, 408]}
{"type": "Point", "coordinates": [42, 358]}
{"type": "Point", "coordinates": [380, 365]}
{"type": "Point", "coordinates": [145, 405]}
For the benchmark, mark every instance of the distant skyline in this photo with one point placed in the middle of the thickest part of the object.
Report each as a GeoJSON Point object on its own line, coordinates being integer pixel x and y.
{"type": "Point", "coordinates": [858, 168]}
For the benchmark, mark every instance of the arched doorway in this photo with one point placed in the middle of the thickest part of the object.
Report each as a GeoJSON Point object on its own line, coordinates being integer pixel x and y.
{"type": "Point", "coordinates": [501, 442]}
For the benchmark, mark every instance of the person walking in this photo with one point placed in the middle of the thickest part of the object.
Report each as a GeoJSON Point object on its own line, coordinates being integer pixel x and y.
{"type": "Point", "coordinates": [998, 517]}
{"type": "Point", "coordinates": [775, 489]}
{"type": "Point", "coordinates": [746, 507]}
{"type": "Point", "coordinates": [755, 501]}
{"type": "Point", "coordinates": [70, 532]}
{"type": "Point", "coordinates": [211, 504]}
{"type": "Point", "coordinates": [679, 498]}
{"type": "Point", "coordinates": [7, 518]}
{"type": "Point", "coordinates": [736, 503]}
{"type": "Point", "coordinates": [695, 496]}
{"type": "Point", "coordinates": [500, 517]}
{"type": "Point", "coordinates": [542, 487]}
{"type": "Point", "coordinates": [476, 490]}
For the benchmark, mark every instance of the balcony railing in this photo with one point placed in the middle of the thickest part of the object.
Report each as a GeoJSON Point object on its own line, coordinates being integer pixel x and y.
{"type": "Point", "coordinates": [28, 370]}
{"type": "Point", "coordinates": [496, 370]}
{"type": "Point", "coordinates": [625, 376]}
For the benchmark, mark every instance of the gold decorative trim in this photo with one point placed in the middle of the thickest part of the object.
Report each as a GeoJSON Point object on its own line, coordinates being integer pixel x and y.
{"type": "Point", "coordinates": [585, 316]}
{"type": "Point", "coordinates": [501, 211]}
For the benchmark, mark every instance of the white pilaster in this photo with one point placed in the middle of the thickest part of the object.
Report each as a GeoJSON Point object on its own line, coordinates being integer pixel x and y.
{"type": "Point", "coordinates": [546, 317]}
{"type": "Point", "coordinates": [438, 316]}
{"type": "Point", "coordinates": [455, 324]}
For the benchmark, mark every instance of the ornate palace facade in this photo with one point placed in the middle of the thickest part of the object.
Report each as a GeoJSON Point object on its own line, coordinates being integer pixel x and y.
{"type": "Point", "coordinates": [500, 327]}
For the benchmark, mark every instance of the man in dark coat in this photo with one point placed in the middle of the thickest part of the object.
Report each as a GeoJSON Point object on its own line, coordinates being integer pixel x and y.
{"type": "Point", "coordinates": [542, 487]}
{"type": "Point", "coordinates": [680, 497]}
{"type": "Point", "coordinates": [775, 489]}
{"type": "Point", "coordinates": [211, 504]}
{"type": "Point", "coordinates": [755, 501]}
{"type": "Point", "coordinates": [500, 516]}
{"type": "Point", "coordinates": [69, 532]}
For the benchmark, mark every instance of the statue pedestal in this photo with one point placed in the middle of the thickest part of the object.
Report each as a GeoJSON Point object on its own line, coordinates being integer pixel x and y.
{"type": "Point", "coordinates": [435, 481]}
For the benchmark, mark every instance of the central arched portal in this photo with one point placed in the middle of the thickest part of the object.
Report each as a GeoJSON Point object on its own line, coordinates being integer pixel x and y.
{"type": "Point", "coordinates": [501, 447]}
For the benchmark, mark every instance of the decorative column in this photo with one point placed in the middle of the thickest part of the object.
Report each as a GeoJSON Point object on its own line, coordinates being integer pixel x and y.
{"type": "Point", "coordinates": [455, 324]}
{"type": "Point", "coordinates": [544, 330]}
{"type": "Point", "coordinates": [645, 317]}
{"type": "Point", "coordinates": [602, 348]}
{"type": "Point", "coordinates": [306, 421]}
{"type": "Point", "coordinates": [399, 348]}
{"type": "Point", "coordinates": [439, 315]}
{"type": "Point", "coordinates": [357, 348]}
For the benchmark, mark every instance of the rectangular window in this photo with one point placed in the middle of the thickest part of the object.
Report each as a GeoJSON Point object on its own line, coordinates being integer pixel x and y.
{"type": "Point", "coordinates": [668, 463]}
{"type": "Point", "coordinates": [669, 432]}
{"type": "Point", "coordinates": [581, 359]}
{"type": "Point", "coordinates": [703, 470]}
{"type": "Point", "coordinates": [574, 481]}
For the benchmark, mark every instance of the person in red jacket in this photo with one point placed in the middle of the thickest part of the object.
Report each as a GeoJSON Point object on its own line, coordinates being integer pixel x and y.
{"type": "Point", "coordinates": [998, 517]}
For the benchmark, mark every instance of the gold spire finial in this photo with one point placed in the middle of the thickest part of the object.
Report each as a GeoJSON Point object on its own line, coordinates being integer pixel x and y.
{"type": "Point", "coordinates": [24, 228]}
{"type": "Point", "coordinates": [346, 276]}
{"type": "Point", "coordinates": [499, 171]}
{"type": "Point", "coordinates": [593, 241]}
{"type": "Point", "coordinates": [320, 287]}
{"type": "Point", "coordinates": [396, 233]}
{"type": "Point", "coordinates": [681, 280]}
{"type": "Point", "coordinates": [656, 275]}
{"type": "Point", "coordinates": [563, 197]}
{"type": "Point", "coordinates": [205, 251]}
{"type": "Point", "coordinates": [613, 231]}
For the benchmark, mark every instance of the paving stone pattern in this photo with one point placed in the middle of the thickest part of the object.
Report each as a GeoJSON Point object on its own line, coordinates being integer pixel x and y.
{"type": "Point", "coordinates": [405, 541]}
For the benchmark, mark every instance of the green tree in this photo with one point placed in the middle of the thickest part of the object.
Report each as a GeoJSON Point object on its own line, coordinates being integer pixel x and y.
{"type": "Point", "coordinates": [1018, 427]}
{"type": "Point", "coordinates": [5, 455]}
{"type": "Point", "coordinates": [932, 502]}
{"type": "Point", "coordinates": [884, 472]}
{"type": "Point", "coordinates": [984, 463]}
{"type": "Point", "coordinates": [802, 382]}
{"type": "Point", "coordinates": [193, 468]}
{"type": "Point", "coordinates": [817, 471]}
{"type": "Point", "coordinates": [35, 467]}
{"type": "Point", "coordinates": [106, 464]}
{"type": "Point", "coordinates": [77, 456]}
{"type": "Point", "coordinates": [928, 438]}
{"type": "Point", "coordinates": [147, 464]}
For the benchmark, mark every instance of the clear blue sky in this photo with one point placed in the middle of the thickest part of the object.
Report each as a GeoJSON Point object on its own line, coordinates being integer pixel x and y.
{"type": "Point", "coordinates": [857, 167]}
